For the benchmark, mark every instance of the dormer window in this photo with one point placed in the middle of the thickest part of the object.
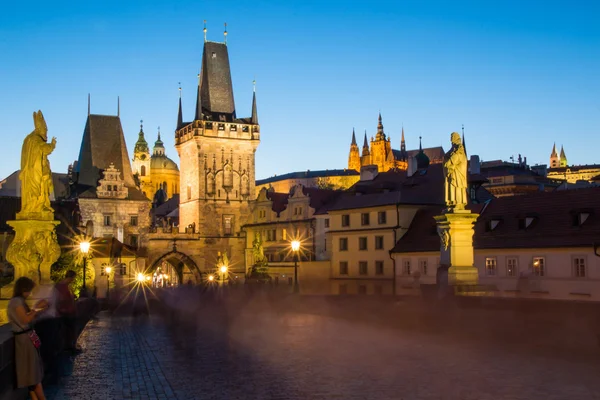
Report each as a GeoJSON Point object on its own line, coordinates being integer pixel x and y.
{"type": "Point", "coordinates": [525, 223]}
{"type": "Point", "coordinates": [492, 224]}
{"type": "Point", "coordinates": [221, 127]}
{"type": "Point", "coordinates": [580, 218]}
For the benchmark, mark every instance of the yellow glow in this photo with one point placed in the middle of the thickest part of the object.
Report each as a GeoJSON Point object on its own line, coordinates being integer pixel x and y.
{"type": "Point", "coordinates": [211, 278]}
{"type": "Point", "coordinates": [140, 277]}
{"type": "Point", "coordinates": [108, 270]}
{"type": "Point", "coordinates": [147, 278]}
{"type": "Point", "coordinates": [84, 246]}
{"type": "Point", "coordinates": [295, 245]}
{"type": "Point", "coordinates": [223, 269]}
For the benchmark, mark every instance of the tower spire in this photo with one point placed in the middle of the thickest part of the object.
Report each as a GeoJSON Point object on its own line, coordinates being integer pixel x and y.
{"type": "Point", "coordinates": [254, 111]}
{"type": "Point", "coordinates": [225, 33]}
{"type": "Point", "coordinates": [204, 31]}
{"type": "Point", "coordinates": [420, 145]}
{"type": "Point", "coordinates": [179, 112]}
{"type": "Point", "coordinates": [380, 134]}
{"type": "Point", "coordinates": [353, 138]}
{"type": "Point", "coordinates": [365, 149]}
{"type": "Point", "coordinates": [198, 103]}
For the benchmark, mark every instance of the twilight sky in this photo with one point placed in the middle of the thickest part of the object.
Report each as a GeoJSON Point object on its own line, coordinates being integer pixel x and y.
{"type": "Point", "coordinates": [519, 75]}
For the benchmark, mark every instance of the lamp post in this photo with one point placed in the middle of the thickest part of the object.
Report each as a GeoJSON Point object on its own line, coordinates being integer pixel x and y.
{"type": "Point", "coordinates": [84, 247]}
{"type": "Point", "coordinates": [295, 249]}
{"type": "Point", "coordinates": [223, 272]}
{"type": "Point", "coordinates": [108, 270]}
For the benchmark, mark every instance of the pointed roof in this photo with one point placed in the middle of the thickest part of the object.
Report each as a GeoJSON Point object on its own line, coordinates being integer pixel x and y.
{"type": "Point", "coordinates": [141, 146]}
{"type": "Point", "coordinates": [421, 157]}
{"type": "Point", "coordinates": [554, 153]}
{"type": "Point", "coordinates": [380, 134]}
{"type": "Point", "coordinates": [198, 114]}
{"type": "Point", "coordinates": [103, 143]}
{"type": "Point", "coordinates": [254, 112]}
{"type": "Point", "coordinates": [179, 113]}
{"type": "Point", "coordinates": [365, 149]}
{"type": "Point", "coordinates": [159, 146]}
{"type": "Point", "coordinates": [353, 138]}
{"type": "Point", "coordinates": [562, 153]}
{"type": "Point", "coordinates": [215, 95]}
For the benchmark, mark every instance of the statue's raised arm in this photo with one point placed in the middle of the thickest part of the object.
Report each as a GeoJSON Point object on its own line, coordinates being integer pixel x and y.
{"type": "Point", "coordinates": [455, 171]}
{"type": "Point", "coordinates": [35, 175]}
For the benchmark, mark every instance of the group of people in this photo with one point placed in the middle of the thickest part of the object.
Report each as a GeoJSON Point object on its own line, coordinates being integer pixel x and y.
{"type": "Point", "coordinates": [22, 317]}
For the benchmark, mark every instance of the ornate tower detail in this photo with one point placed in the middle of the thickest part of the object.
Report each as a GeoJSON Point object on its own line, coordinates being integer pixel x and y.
{"type": "Point", "coordinates": [554, 160]}
{"type": "Point", "coordinates": [563, 157]}
{"type": "Point", "coordinates": [381, 149]}
{"type": "Point", "coordinates": [354, 157]}
{"type": "Point", "coordinates": [141, 162]}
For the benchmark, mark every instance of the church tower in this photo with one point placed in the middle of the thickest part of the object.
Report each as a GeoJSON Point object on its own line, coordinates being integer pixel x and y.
{"type": "Point", "coordinates": [554, 160]}
{"type": "Point", "coordinates": [216, 152]}
{"type": "Point", "coordinates": [381, 149]}
{"type": "Point", "coordinates": [354, 157]}
{"type": "Point", "coordinates": [141, 163]}
{"type": "Point", "coordinates": [563, 157]}
{"type": "Point", "coordinates": [365, 158]}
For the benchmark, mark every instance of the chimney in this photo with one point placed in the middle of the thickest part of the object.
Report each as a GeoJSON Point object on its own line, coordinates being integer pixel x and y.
{"type": "Point", "coordinates": [474, 165]}
{"type": "Point", "coordinates": [368, 172]}
{"type": "Point", "coordinates": [412, 166]}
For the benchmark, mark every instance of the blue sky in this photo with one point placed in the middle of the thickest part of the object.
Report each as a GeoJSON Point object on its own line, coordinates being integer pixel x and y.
{"type": "Point", "coordinates": [519, 75]}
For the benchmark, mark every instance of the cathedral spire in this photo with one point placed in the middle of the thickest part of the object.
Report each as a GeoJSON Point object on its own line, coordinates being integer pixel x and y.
{"type": "Point", "coordinates": [180, 111]}
{"type": "Point", "coordinates": [254, 112]}
{"type": "Point", "coordinates": [380, 134]}
{"type": "Point", "coordinates": [353, 138]}
{"type": "Point", "coordinates": [365, 149]}
{"type": "Point", "coordinates": [204, 31]}
{"type": "Point", "coordinates": [554, 153]}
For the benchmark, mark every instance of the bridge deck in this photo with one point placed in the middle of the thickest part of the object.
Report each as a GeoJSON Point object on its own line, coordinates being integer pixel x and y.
{"type": "Point", "coordinates": [261, 353]}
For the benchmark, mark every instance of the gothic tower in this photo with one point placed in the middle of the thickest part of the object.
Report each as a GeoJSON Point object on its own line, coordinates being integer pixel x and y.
{"type": "Point", "coordinates": [554, 160]}
{"type": "Point", "coordinates": [216, 152]}
{"type": "Point", "coordinates": [365, 158]}
{"type": "Point", "coordinates": [563, 157]}
{"type": "Point", "coordinates": [354, 157]}
{"type": "Point", "coordinates": [381, 149]}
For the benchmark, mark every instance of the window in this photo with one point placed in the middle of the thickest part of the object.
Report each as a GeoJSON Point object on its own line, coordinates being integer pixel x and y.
{"type": "Point", "coordinates": [362, 243]}
{"type": "Point", "coordinates": [579, 270]}
{"type": "Point", "coordinates": [490, 266]}
{"type": "Point", "coordinates": [423, 266]}
{"type": "Point", "coordinates": [133, 220]}
{"type": "Point", "coordinates": [227, 225]}
{"type": "Point", "coordinates": [343, 244]}
{"type": "Point", "coordinates": [364, 219]}
{"type": "Point", "coordinates": [345, 220]}
{"type": "Point", "coordinates": [362, 289]}
{"type": "Point", "coordinates": [133, 241]}
{"type": "Point", "coordinates": [381, 217]}
{"type": "Point", "coordinates": [378, 267]}
{"type": "Point", "coordinates": [539, 266]}
{"type": "Point", "coordinates": [378, 242]}
{"type": "Point", "coordinates": [123, 269]}
{"type": "Point", "coordinates": [406, 267]}
{"type": "Point", "coordinates": [511, 266]}
{"type": "Point", "coordinates": [363, 268]}
{"type": "Point", "coordinates": [326, 222]}
{"type": "Point", "coordinates": [143, 170]}
{"type": "Point", "coordinates": [107, 220]}
{"type": "Point", "coordinates": [343, 267]}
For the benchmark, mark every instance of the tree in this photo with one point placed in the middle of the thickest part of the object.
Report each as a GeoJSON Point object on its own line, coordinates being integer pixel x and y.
{"type": "Point", "coordinates": [74, 260]}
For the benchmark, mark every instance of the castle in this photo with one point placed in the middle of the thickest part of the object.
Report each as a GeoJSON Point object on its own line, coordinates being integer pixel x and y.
{"type": "Point", "coordinates": [560, 169]}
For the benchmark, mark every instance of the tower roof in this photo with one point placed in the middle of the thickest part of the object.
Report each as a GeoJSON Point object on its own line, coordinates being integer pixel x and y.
{"type": "Point", "coordinates": [141, 146]}
{"type": "Point", "coordinates": [159, 143]}
{"type": "Point", "coordinates": [179, 112]}
{"type": "Point", "coordinates": [353, 138]}
{"type": "Point", "coordinates": [562, 153]}
{"type": "Point", "coordinates": [254, 111]}
{"type": "Point", "coordinates": [554, 153]}
{"type": "Point", "coordinates": [421, 157]}
{"type": "Point", "coordinates": [380, 134]}
{"type": "Point", "coordinates": [216, 89]}
{"type": "Point", "coordinates": [103, 143]}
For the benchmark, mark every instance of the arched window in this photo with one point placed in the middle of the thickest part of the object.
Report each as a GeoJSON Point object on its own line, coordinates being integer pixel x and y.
{"type": "Point", "coordinates": [165, 187]}
{"type": "Point", "coordinates": [143, 170]}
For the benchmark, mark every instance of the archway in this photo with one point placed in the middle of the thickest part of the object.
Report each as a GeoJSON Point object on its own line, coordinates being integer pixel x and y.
{"type": "Point", "coordinates": [178, 267]}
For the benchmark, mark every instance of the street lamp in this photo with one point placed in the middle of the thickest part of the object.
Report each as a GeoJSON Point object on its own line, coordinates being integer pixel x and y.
{"type": "Point", "coordinates": [108, 270]}
{"type": "Point", "coordinates": [295, 249]}
{"type": "Point", "coordinates": [223, 272]}
{"type": "Point", "coordinates": [85, 248]}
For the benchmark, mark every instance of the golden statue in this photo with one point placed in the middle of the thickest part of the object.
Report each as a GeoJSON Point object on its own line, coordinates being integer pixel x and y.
{"type": "Point", "coordinates": [455, 171]}
{"type": "Point", "coordinates": [35, 176]}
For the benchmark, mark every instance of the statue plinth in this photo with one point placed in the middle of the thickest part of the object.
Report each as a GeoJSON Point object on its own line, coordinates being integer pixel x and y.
{"type": "Point", "coordinates": [34, 249]}
{"type": "Point", "coordinates": [456, 229]}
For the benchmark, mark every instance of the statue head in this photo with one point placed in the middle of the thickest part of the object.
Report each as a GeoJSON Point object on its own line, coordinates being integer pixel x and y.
{"type": "Point", "coordinates": [40, 125]}
{"type": "Point", "coordinates": [455, 139]}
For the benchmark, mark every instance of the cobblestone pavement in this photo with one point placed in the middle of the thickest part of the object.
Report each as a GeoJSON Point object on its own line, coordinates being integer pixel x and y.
{"type": "Point", "coordinates": [302, 356]}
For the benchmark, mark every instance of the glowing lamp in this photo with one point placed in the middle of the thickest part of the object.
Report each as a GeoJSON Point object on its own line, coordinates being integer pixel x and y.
{"type": "Point", "coordinates": [211, 278]}
{"type": "Point", "coordinates": [84, 246]}
{"type": "Point", "coordinates": [223, 269]}
{"type": "Point", "coordinates": [108, 270]}
{"type": "Point", "coordinates": [295, 245]}
{"type": "Point", "coordinates": [141, 277]}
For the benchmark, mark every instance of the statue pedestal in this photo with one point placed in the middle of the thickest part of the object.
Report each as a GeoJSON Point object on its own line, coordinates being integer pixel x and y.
{"type": "Point", "coordinates": [456, 250]}
{"type": "Point", "coordinates": [34, 249]}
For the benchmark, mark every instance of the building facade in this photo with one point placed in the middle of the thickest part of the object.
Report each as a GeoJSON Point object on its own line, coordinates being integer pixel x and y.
{"type": "Point", "coordinates": [336, 179]}
{"type": "Point", "coordinates": [561, 170]}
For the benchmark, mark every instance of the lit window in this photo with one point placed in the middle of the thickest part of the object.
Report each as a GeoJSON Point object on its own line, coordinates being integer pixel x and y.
{"type": "Point", "coordinates": [539, 266]}
{"type": "Point", "coordinates": [227, 225]}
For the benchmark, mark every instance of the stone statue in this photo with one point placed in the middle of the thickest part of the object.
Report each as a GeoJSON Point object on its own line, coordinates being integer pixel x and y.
{"type": "Point", "coordinates": [455, 172]}
{"type": "Point", "coordinates": [35, 176]}
{"type": "Point", "coordinates": [35, 246]}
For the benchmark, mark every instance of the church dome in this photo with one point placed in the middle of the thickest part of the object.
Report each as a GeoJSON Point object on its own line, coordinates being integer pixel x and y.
{"type": "Point", "coordinates": [141, 146]}
{"type": "Point", "coordinates": [162, 162]}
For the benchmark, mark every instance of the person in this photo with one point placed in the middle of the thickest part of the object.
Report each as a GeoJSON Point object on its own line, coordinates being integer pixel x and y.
{"type": "Point", "coordinates": [28, 361]}
{"type": "Point", "coordinates": [64, 302]}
